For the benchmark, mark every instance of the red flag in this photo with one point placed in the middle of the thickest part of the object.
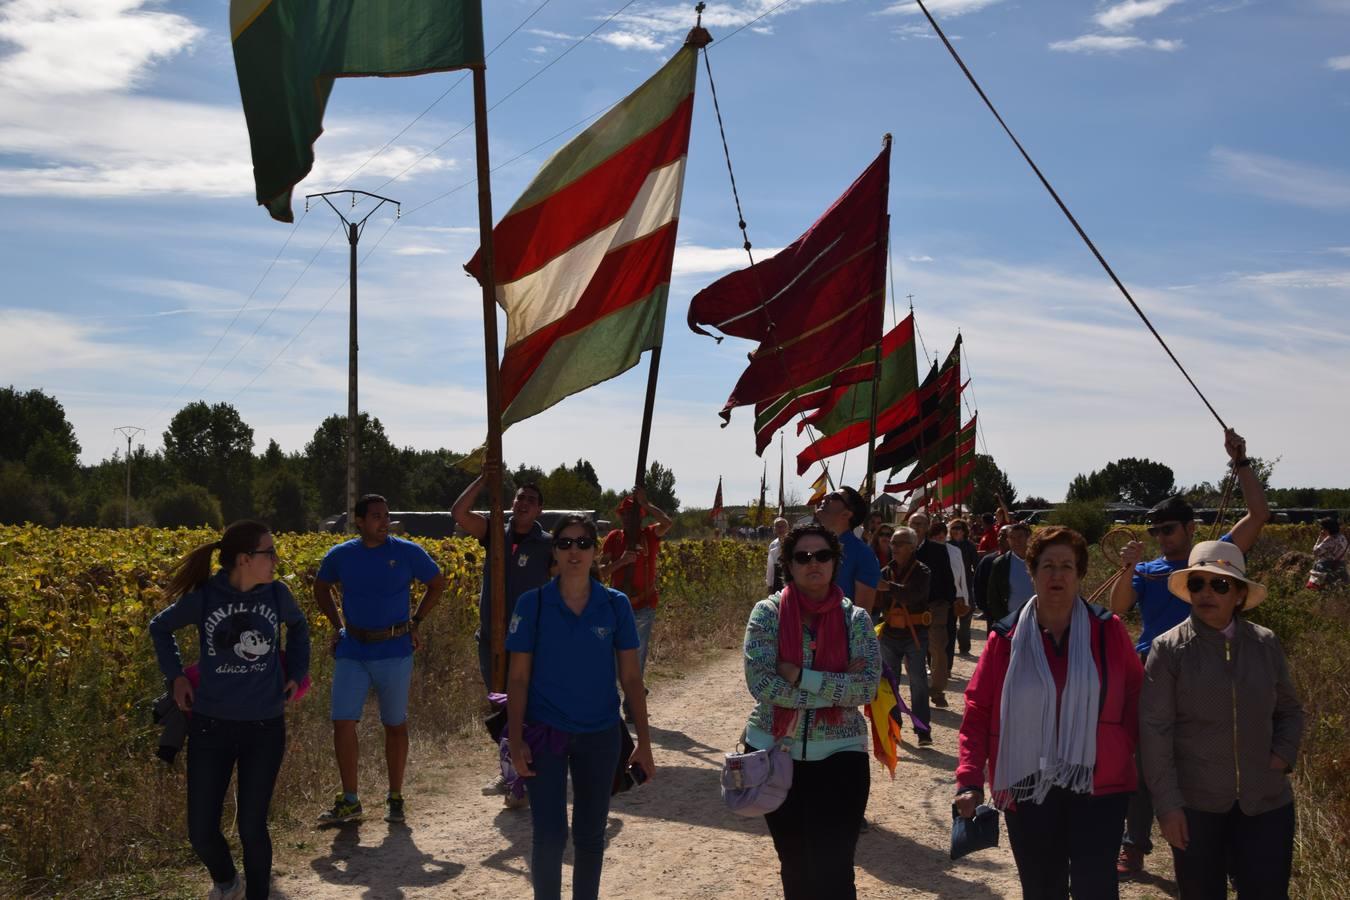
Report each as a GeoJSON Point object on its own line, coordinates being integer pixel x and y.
{"type": "Point", "coordinates": [964, 458]}
{"type": "Point", "coordinates": [717, 502]}
{"type": "Point", "coordinates": [814, 306]}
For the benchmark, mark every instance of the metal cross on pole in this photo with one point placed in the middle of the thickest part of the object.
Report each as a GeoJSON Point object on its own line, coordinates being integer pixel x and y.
{"type": "Point", "coordinates": [354, 229]}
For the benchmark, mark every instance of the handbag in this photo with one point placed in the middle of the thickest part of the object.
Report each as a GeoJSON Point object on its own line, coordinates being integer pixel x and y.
{"type": "Point", "coordinates": [758, 781]}
{"type": "Point", "coordinates": [977, 833]}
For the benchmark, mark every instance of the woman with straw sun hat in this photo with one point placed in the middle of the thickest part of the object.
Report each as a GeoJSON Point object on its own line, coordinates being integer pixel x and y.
{"type": "Point", "coordinates": [1220, 725]}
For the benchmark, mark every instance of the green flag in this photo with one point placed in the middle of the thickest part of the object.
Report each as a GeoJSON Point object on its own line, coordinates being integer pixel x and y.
{"type": "Point", "coordinates": [287, 53]}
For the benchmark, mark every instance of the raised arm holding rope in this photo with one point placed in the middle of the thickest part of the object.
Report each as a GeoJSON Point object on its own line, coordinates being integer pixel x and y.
{"type": "Point", "coordinates": [1172, 525]}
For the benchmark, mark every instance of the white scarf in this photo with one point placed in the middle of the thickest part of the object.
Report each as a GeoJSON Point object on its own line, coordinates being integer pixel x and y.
{"type": "Point", "coordinates": [1033, 754]}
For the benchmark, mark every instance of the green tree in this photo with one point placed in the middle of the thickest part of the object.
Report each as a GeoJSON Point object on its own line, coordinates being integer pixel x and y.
{"type": "Point", "coordinates": [1142, 482]}
{"type": "Point", "coordinates": [37, 434]}
{"type": "Point", "coordinates": [565, 489]}
{"type": "Point", "coordinates": [433, 482]}
{"type": "Point", "coordinates": [988, 484]}
{"type": "Point", "coordinates": [379, 468]}
{"type": "Point", "coordinates": [186, 506]}
{"type": "Point", "coordinates": [25, 499]}
{"type": "Point", "coordinates": [660, 484]}
{"type": "Point", "coordinates": [211, 446]}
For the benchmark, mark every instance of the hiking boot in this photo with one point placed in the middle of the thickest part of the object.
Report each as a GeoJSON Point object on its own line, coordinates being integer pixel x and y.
{"type": "Point", "coordinates": [511, 801]}
{"type": "Point", "coordinates": [233, 891]}
{"type": "Point", "coordinates": [1130, 862]}
{"type": "Point", "coordinates": [925, 739]}
{"type": "Point", "coordinates": [394, 808]}
{"type": "Point", "coordinates": [938, 700]}
{"type": "Point", "coordinates": [342, 811]}
{"type": "Point", "coordinates": [495, 786]}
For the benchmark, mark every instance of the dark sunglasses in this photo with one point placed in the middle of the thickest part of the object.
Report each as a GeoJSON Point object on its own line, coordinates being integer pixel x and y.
{"type": "Point", "coordinates": [1164, 530]}
{"type": "Point", "coordinates": [1196, 583]}
{"type": "Point", "coordinates": [270, 551]}
{"type": "Point", "coordinates": [802, 557]}
{"type": "Point", "coordinates": [583, 543]}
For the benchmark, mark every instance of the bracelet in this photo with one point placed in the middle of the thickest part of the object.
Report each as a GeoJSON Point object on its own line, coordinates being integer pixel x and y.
{"type": "Point", "coordinates": [1241, 463]}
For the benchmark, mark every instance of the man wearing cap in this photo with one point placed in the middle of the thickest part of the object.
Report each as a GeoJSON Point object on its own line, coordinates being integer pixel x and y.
{"type": "Point", "coordinates": [1172, 524]}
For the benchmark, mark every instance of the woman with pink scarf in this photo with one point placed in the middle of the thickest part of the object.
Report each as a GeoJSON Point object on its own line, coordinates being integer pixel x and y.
{"type": "Point", "coordinates": [811, 659]}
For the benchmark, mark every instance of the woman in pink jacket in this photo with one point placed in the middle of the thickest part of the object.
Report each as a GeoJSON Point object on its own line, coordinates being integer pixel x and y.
{"type": "Point", "coordinates": [1052, 714]}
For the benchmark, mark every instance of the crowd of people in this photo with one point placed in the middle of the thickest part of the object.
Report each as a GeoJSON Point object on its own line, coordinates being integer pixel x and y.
{"type": "Point", "coordinates": [1080, 734]}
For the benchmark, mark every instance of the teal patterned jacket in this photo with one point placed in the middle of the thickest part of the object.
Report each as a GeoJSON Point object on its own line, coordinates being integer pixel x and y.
{"type": "Point", "coordinates": [812, 739]}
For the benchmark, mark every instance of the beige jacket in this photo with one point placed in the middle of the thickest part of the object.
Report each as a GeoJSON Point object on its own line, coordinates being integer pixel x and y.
{"type": "Point", "coordinates": [1212, 713]}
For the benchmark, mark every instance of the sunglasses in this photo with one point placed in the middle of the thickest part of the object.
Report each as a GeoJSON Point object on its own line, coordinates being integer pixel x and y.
{"type": "Point", "coordinates": [583, 543]}
{"type": "Point", "coordinates": [1164, 530]}
{"type": "Point", "coordinates": [1196, 583]}
{"type": "Point", "coordinates": [802, 557]}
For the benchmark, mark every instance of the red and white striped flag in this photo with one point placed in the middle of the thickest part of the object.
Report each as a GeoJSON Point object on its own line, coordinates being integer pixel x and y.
{"type": "Point", "coordinates": [583, 259]}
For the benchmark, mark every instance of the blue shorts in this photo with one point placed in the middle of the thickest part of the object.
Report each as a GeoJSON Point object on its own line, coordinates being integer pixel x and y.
{"type": "Point", "coordinates": [353, 679]}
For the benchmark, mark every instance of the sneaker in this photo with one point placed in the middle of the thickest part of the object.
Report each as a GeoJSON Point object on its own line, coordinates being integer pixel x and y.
{"type": "Point", "coordinates": [342, 811]}
{"type": "Point", "coordinates": [511, 801]}
{"type": "Point", "coordinates": [394, 808]}
{"type": "Point", "coordinates": [925, 739]}
{"type": "Point", "coordinates": [234, 891]}
{"type": "Point", "coordinates": [938, 700]}
{"type": "Point", "coordinates": [495, 786]}
{"type": "Point", "coordinates": [1130, 862]}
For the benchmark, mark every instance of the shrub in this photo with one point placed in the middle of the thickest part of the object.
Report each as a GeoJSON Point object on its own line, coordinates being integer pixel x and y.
{"type": "Point", "coordinates": [186, 506]}
{"type": "Point", "coordinates": [1087, 517]}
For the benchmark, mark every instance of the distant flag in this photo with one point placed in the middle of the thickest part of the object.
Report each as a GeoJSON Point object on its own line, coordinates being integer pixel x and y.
{"type": "Point", "coordinates": [815, 305]}
{"type": "Point", "coordinates": [583, 259]}
{"type": "Point", "coordinates": [716, 510]}
{"type": "Point", "coordinates": [763, 492]}
{"type": "Point", "coordinates": [287, 53]}
{"type": "Point", "coordinates": [818, 489]}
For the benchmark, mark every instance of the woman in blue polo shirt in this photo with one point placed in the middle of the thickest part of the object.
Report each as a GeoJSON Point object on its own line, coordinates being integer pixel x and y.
{"type": "Point", "coordinates": [563, 711]}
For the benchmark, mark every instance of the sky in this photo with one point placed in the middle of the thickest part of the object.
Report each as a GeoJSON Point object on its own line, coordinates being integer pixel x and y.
{"type": "Point", "coordinates": [1205, 146]}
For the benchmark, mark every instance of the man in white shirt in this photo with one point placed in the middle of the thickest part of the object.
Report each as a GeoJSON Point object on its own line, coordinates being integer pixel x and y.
{"type": "Point", "coordinates": [773, 576]}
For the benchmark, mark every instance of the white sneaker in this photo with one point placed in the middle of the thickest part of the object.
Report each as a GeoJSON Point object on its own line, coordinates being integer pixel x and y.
{"type": "Point", "coordinates": [495, 786]}
{"type": "Point", "coordinates": [234, 891]}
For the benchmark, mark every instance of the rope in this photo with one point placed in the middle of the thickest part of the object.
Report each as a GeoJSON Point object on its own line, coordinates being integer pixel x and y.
{"type": "Point", "coordinates": [1223, 506]}
{"type": "Point", "coordinates": [1065, 209]}
{"type": "Point", "coordinates": [740, 223]}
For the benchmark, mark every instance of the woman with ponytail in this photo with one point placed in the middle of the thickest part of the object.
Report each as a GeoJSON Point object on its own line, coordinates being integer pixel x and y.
{"type": "Point", "coordinates": [811, 659]}
{"type": "Point", "coordinates": [236, 707]}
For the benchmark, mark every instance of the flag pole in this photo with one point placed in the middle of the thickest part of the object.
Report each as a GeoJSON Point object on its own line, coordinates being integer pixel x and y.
{"type": "Point", "coordinates": [781, 498]}
{"type": "Point", "coordinates": [496, 561]}
{"type": "Point", "coordinates": [870, 482]}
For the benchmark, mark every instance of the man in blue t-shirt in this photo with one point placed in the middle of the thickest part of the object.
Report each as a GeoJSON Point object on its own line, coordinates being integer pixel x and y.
{"type": "Point", "coordinates": [859, 572]}
{"type": "Point", "coordinates": [1172, 524]}
{"type": "Point", "coordinates": [374, 637]}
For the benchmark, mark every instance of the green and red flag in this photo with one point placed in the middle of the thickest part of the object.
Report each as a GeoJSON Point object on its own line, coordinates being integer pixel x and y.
{"type": "Point", "coordinates": [815, 305]}
{"type": "Point", "coordinates": [958, 458]}
{"type": "Point", "coordinates": [582, 260]}
{"type": "Point", "coordinates": [287, 53]}
{"type": "Point", "coordinates": [717, 502]}
{"type": "Point", "coordinates": [933, 413]}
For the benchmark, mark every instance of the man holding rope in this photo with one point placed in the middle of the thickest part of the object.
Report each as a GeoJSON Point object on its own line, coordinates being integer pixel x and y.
{"type": "Point", "coordinates": [1172, 524]}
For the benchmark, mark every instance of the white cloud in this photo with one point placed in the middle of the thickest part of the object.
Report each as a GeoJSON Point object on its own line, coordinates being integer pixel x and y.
{"type": "Point", "coordinates": [919, 259]}
{"type": "Point", "coordinates": [939, 8]}
{"type": "Point", "coordinates": [631, 40]}
{"type": "Point", "coordinates": [419, 250]}
{"type": "Point", "coordinates": [551, 35]}
{"type": "Point", "coordinates": [125, 146]}
{"type": "Point", "coordinates": [1114, 43]}
{"type": "Point", "coordinates": [1124, 15]}
{"type": "Point", "coordinates": [1300, 184]}
{"type": "Point", "coordinates": [82, 46]}
{"type": "Point", "coordinates": [1339, 63]}
{"type": "Point", "coordinates": [692, 259]}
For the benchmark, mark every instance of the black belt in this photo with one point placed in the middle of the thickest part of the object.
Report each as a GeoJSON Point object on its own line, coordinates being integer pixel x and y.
{"type": "Point", "coordinates": [375, 636]}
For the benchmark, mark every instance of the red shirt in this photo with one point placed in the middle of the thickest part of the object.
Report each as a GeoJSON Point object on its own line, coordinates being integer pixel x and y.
{"type": "Point", "coordinates": [988, 541]}
{"type": "Point", "coordinates": [638, 581]}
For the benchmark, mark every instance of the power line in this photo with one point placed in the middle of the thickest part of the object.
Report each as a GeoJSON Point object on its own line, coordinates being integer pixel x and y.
{"type": "Point", "coordinates": [446, 93]}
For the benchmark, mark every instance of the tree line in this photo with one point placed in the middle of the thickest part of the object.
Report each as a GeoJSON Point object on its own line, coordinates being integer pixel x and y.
{"type": "Point", "coordinates": [208, 473]}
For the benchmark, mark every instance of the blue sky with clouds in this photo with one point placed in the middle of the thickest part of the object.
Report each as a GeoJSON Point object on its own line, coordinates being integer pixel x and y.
{"type": "Point", "coordinates": [1204, 145]}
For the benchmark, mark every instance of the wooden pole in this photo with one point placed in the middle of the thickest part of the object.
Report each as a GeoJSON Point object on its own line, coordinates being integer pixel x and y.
{"type": "Point", "coordinates": [632, 520]}
{"type": "Point", "coordinates": [496, 561]}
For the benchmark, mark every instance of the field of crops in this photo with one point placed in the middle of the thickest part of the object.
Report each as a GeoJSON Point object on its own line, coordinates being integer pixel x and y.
{"type": "Point", "coordinates": [82, 795]}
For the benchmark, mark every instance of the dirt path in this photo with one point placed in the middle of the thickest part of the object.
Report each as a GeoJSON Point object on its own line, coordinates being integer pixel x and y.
{"type": "Point", "coordinates": [669, 839]}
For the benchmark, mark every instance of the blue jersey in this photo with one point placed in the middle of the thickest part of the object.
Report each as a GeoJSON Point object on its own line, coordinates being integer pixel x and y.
{"type": "Point", "coordinates": [376, 590]}
{"type": "Point", "coordinates": [573, 670]}
{"type": "Point", "coordinates": [859, 564]}
{"type": "Point", "coordinates": [1160, 609]}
